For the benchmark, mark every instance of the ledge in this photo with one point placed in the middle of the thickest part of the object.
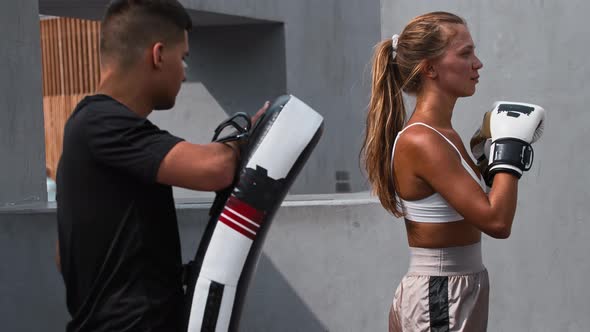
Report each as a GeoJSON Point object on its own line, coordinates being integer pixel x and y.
{"type": "Point", "coordinates": [360, 198]}
{"type": "Point", "coordinates": [29, 208]}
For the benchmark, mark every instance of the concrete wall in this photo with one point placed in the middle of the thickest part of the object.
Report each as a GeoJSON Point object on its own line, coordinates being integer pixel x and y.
{"type": "Point", "coordinates": [327, 45]}
{"type": "Point", "coordinates": [532, 51]}
{"type": "Point", "coordinates": [327, 265]}
{"type": "Point", "coordinates": [246, 52]}
{"type": "Point", "coordinates": [22, 136]}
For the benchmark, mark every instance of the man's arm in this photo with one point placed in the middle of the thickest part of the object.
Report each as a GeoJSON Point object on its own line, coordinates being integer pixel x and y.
{"type": "Point", "coordinates": [204, 167]}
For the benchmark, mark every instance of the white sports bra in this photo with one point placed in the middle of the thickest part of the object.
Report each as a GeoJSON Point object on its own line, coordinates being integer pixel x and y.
{"type": "Point", "coordinates": [434, 208]}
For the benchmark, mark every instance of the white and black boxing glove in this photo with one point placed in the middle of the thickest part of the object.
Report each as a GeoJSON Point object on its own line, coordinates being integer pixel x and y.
{"type": "Point", "coordinates": [513, 127]}
{"type": "Point", "coordinates": [480, 143]}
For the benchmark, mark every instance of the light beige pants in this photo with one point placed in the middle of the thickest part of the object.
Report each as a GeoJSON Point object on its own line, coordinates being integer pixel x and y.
{"type": "Point", "coordinates": [445, 289]}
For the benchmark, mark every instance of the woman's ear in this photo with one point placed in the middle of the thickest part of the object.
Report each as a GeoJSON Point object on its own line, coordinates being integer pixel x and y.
{"type": "Point", "coordinates": [429, 70]}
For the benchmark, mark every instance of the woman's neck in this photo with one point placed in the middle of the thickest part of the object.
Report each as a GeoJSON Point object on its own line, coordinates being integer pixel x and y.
{"type": "Point", "coordinates": [435, 108]}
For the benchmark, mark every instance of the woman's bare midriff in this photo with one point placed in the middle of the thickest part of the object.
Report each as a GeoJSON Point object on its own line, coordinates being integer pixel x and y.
{"type": "Point", "coordinates": [441, 235]}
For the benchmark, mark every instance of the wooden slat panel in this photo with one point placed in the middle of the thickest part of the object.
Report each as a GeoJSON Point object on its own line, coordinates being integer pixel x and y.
{"type": "Point", "coordinates": [43, 59]}
{"type": "Point", "coordinates": [48, 25]}
{"type": "Point", "coordinates": [55, 77]}
{"type": "Point", "coordinates": [69, 78]}
{"type": "Point", "coordinates": [70, 55]}
{"type": "Point", "coordinates": [95, 55]}
{"type": "Point", "coordinates": [46, 50]}
{"type": "Point", "coordinates": [83, 55]}
{"type": "Point", "coordinates": [75, 47]}
{"type": "Point", "coordinates": [78, 57]}
{"type": "Point", "coordinates": [70, 71]}
{"type": "Point", "coordinates": [60, 57]}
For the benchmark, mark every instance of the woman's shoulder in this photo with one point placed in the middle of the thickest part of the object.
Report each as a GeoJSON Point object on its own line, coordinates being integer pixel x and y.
{"type": "Point", "coordinates": [420, 140]}
{"type": "Point", "coordinates": [419, 135]}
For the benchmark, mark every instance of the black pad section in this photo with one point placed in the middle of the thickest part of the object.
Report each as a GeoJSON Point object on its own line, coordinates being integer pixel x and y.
{"type": "Point", "coordinates": [212, 307]}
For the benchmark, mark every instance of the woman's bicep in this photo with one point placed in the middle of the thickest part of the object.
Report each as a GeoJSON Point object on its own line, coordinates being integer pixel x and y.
{"type": "Point", "coordinates": [441, 168]}
{"type": "Point", "coordinates": [450, 179]}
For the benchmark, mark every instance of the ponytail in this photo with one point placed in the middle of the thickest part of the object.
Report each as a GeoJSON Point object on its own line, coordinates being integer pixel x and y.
{"type": "Point", "coordinates": [386, 117]}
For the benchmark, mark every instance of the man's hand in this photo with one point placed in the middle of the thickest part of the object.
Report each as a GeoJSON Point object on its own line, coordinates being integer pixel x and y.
{"type": "Point", "coordinates": [237, 145]}
{"type": "Point", "coordinates": [261, 111]}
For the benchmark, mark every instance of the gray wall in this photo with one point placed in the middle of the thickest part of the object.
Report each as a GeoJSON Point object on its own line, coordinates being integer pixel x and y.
{"type": "Point", "coordinates": [327, 45]}
{"type": "Point", "coordinates": [532, 51]}
{"type": "Point", "coordinates": [22, 136]}
{"type": "Point", "coordinates": [246, 52]}
{"type": "Point", "coordinates": [327, 265]}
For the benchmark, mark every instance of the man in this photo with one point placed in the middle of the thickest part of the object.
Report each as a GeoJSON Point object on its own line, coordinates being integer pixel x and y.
{"type": "Point", "coordinates": [119, 248]}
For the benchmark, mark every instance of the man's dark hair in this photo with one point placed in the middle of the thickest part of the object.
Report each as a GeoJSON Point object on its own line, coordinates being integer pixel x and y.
{"type": "Point", "coordinates": [129, 26]}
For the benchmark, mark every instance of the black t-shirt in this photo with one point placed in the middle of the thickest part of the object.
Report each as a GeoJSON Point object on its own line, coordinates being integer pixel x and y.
{"type": "Point", "coordinates": [118, 233]}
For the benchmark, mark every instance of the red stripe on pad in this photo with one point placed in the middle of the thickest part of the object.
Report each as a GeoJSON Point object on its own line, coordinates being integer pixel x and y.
{"type": "Point", "coordinates": [245, 209]}
{"type": "Point", "coordinates": [240, 220]}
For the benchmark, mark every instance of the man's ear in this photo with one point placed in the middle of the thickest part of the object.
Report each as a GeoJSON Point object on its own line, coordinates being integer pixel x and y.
{"type": "Point", "coordinates": [157, 50]}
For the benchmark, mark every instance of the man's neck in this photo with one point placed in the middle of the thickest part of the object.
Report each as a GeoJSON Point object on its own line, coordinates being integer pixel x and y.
{"type": "Point", "coordinates": [126, 88]}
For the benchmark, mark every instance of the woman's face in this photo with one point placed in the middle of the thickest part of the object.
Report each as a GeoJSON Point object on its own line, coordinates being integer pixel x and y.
{"type": "Point", "coordinates": [456, 71]}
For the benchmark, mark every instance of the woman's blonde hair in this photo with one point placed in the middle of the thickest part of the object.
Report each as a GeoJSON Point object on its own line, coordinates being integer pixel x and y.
{"type": "Point", "coordinates": [424, 38]}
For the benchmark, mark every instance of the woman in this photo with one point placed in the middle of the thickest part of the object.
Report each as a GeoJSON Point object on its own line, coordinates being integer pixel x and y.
{"type": "Point", "coordinates": [432, 181]}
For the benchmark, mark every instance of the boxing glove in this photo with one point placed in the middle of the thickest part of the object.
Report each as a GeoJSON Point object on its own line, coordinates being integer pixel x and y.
{"type": "Point", "coordinates": [480, 143]}
{"type": "Point", "coordinates": [511, 128]}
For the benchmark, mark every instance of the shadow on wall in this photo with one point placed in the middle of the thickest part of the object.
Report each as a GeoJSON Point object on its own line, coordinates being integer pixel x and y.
{"type": "Point", "coordinates": [241, 66]}
{"type": "Point", "coordinates": [271, 302]}
{"type": "Point", "coordinates": [261, 312]}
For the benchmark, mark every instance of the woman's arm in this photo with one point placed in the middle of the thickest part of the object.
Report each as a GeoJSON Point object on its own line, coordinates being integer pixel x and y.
{"type": "Point", "coordinates": [436, 162]}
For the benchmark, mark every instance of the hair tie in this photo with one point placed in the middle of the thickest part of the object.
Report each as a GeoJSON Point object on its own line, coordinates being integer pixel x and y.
{"type": "Point", "coordinates": [394, 40]}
